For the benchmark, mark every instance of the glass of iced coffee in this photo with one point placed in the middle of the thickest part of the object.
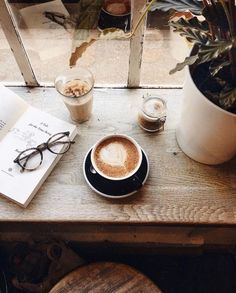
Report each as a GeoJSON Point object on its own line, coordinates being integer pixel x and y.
{"type": "Point", "coordinates": [76, 88]}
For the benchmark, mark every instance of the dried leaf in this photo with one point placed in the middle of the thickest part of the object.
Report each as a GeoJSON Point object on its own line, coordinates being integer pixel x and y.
{"type": "Point", "coordinates": [178, 14]}
{"type": "Point", "coordinates": [79, 51]}
{"type": "Point", "coordinates": [107, 34]}
{"type": "Point", "coordinates": [114, 33]}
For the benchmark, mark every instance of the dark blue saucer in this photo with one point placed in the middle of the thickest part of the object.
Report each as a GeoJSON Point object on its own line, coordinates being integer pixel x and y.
{"type": "Point", "coordinates": [118, 188]}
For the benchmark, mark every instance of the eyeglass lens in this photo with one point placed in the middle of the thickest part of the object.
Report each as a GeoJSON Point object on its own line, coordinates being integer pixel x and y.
{"type": "Point", "coordinates": [56, 143]}
{"type": "Point", "coordinates": [30, 159]}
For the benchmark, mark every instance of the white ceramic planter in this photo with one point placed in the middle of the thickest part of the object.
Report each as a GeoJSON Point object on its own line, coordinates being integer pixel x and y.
{"type": "Point", "coordinates": [206, 133]}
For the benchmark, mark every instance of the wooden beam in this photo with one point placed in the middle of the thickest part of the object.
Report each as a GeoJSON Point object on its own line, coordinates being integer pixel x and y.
{"type": "Point", "coordinates": [136, 44]}
{"type": "Point", "coordinates": [14, 39]}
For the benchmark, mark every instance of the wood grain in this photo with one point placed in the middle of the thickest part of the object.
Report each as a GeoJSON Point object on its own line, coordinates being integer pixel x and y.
{"type": "Point", "coordinates": [105, 277]}
{"type": "Point", "coordinates": [178, 191]}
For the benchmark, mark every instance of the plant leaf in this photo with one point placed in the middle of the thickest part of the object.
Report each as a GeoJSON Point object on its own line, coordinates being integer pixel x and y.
{"type": "Point", "coordinates": [114, 33]}
{"type": "Point", "coordinates": [192, 23]}
{"type": "Point", "coordinates": [217, 65]}
{"type": "Point", "coordinates": [214, 49]}
{"type": "Point", "coordinates": [194, 30]}
{"type": "Point", "coordinates": [108, 34]}
{"type": "Point", "coordinates": [188, 61]}
{"type": "Point", "coordinates": [227, 99]}
{"type": "Point", "coordinates": [79, 51]}
{"type": "Point", "coordinates": [195, 6]}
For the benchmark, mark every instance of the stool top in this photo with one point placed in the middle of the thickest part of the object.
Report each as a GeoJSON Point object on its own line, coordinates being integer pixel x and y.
{"type": "Point", "coordinates": [105, 277]}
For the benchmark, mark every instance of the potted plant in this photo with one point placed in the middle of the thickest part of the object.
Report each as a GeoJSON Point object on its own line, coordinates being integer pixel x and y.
{"type": "Point", "coordinates": [207, 128]}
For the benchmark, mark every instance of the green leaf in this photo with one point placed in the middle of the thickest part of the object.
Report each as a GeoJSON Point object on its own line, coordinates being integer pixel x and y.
{"type": "Point", "coordinates": [217, 65]}
{"type": "Point", "coordinates": [192, 23]}
{"type": "Point", "coordinates": [188, 61]}
{"type": "Point", "coordinates": [195, 6]}
{"type": "Point", "coordinates": [214, 49]}
{"type": "Point", "coordinates": [227, 99]}
{"type": "Point", "coordinates": [194, 30]}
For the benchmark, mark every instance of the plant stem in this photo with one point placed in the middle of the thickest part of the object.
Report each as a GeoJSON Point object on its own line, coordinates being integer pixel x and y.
{"type": "Point", "coordinates": [142, 17]}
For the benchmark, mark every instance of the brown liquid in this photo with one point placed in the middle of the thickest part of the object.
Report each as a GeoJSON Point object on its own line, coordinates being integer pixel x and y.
{"type": "Point", "coordinates": [117, 7]}
{"type": "Point", "coordinates": [116, 157]}
{"type": "Point", "coordinates": [78, 99]}
{"type": "Point", "coordinates": [151, 125]}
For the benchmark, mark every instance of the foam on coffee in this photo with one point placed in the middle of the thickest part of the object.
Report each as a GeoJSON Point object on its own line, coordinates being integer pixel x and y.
{"type": "Point", "coordinates": [116, 157]}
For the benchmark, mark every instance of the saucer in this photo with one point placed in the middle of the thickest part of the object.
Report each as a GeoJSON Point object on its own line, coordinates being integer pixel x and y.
{"type": "Point", "coordinates": [113, 189]}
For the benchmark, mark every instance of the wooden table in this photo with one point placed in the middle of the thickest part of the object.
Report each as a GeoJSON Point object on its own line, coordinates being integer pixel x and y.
{"type": "Point", "coordinates": [182, 202]}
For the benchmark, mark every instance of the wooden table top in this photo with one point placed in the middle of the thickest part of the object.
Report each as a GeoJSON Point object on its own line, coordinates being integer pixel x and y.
{"type": "Point", "coordinates": [179, 191]}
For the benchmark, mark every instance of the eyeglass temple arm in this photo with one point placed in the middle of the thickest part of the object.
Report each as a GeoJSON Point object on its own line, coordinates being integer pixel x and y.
{"type": "Point", "coordinates": [60, 142]}
{"type": "Point", "coordinates": [67, 133]}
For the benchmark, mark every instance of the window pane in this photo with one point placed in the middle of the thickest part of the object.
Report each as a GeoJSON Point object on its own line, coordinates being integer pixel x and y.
{"type": "Point", "coordinates": [49, 44]}
{"type": "Point", "coordinates": [163, 48]}
{"type": "Point", "coordinates": [9, 70]}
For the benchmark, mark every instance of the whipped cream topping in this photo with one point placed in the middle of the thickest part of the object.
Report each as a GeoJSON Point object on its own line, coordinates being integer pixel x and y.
{"type": "Point", "coordinates": [113, 154]}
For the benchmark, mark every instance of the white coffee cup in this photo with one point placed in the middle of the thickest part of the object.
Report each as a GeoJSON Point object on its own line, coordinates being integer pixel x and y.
{"type": "Point", "coordinates": [132, 172]}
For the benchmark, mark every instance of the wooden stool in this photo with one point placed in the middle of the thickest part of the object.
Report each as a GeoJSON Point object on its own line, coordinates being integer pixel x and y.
{"type": "Point", "coordinates": [105, 277]}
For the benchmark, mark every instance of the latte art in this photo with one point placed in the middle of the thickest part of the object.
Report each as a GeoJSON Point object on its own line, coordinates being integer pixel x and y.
{"type": "Point", "coordinates": [113, 154]}
{"type": "Point", "coordinates": [116, 157]}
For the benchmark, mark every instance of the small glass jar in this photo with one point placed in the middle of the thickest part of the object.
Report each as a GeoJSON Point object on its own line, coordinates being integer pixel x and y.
{"type": "Point", "coordinates": [152, 115]}
{"type": "Point", "coordinates": [76, 88]}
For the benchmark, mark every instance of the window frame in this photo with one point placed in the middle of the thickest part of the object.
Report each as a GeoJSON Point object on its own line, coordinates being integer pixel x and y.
{"type": "Point", "coordinates": [16, 44]}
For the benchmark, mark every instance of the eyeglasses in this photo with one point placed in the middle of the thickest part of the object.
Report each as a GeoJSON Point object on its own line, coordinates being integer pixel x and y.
{"type": "Point", "coordinates": [30, 159]}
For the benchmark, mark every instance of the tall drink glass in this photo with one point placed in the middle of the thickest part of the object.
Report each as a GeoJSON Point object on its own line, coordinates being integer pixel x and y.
{"type": "Point", "coordinates": [76, 88]}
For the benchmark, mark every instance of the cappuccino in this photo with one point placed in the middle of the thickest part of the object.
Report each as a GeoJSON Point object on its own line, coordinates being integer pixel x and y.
{"type": "Point", "coordinates": [116, 157]}
{"type": "Point", "coordinates": [152, 115]}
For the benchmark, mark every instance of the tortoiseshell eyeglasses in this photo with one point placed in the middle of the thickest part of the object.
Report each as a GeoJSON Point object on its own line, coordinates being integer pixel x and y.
{"type": "Point", "coordinates": [30, 159]}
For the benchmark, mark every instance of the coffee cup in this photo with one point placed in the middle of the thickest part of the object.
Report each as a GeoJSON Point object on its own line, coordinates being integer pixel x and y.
{"type": "Point", "coordinates": [115, 14]}
{"type": "Point", "coordinates": [117, 157]}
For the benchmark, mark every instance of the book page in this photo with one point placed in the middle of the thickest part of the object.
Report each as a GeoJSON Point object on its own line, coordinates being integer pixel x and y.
{"type": "Point", "coordinates": [34, 127]}
{"type": "Point", "coordinates": [11, 108]}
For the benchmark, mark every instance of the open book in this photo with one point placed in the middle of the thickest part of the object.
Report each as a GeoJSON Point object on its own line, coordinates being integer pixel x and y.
{"type": "Point", "coordinates": [21, 127]}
